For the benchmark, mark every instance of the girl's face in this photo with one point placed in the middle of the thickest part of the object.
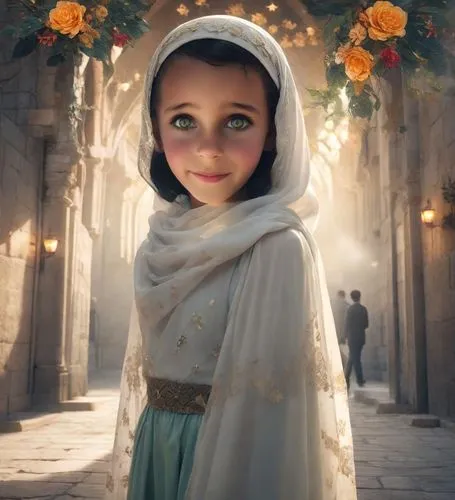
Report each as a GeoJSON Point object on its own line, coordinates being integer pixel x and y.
{"type": "Point", "coordinates": [213, 124]}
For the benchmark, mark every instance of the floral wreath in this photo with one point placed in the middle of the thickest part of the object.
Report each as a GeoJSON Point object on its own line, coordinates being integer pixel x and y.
{"type": "Point", "coordinates": [93, 27]}
{"type": "Point", "coordinates": [367, 39]}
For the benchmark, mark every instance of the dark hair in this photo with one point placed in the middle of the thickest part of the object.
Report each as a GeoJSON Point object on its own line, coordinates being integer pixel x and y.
{"type": "Point", "coordinates": [341, 293]}
{"type": "Point", "coordinates": [355, 295]}
{"type": "Point", "coordinates": [216, 53]}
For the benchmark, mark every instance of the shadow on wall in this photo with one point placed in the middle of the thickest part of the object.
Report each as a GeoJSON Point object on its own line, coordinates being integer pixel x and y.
{"type": "Point", "coordinates": [21, 161]}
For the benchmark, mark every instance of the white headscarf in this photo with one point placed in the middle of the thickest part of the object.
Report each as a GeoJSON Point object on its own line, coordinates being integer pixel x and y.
{"type": "Point", "coordinates": [184, 245]}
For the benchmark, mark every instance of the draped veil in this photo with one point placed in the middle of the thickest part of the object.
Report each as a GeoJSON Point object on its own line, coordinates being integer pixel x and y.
{"type": "Point", "coordinates": [279, 366]}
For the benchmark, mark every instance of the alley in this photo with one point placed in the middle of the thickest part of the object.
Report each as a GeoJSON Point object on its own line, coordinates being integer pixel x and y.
{"type": "Point", "coordinates": [68, 458]}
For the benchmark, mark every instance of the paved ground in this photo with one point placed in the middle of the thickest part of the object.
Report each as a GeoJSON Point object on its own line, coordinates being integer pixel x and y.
{"type": "Point", "coordinates": [67, 458]}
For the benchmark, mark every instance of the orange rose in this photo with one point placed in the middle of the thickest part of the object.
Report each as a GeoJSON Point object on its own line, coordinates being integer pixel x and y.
{"type": "Point", "coordinates": [67, 18]}
{"type": "Point", "coordinates": [385, 21]}
{"type": "Point", "coordinates": [358, 64]}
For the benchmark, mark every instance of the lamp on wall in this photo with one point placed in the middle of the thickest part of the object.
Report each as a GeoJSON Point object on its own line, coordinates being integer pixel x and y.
{"type": "Point", "coordinates": [50, 245]}
{"type": "Point", "coordinates": [428, 214]}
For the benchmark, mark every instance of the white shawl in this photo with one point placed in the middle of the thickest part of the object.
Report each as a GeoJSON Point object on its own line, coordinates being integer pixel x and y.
{"type": "Point", "coordinates": [277, 424]}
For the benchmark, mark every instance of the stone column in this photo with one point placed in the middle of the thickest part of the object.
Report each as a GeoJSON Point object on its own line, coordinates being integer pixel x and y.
{"type": "Point", "coordinates": [390, 93]}
{"type": "Point", "coordinates": [418, 391]}
{"type": "Point", "coordinates": [55, 288]}
{"type": "Point", "coordinates": [51, 363]}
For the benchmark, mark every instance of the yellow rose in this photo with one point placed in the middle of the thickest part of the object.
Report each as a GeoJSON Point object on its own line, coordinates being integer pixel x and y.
{"type": "Point", "coordinates": [385, 21]}
{"type": "Point", "coordinates": [358, 64]}
{"type": "Point", "coordinates": [67, 18]}
{"type": "Point", "coordinates": [101, 13]}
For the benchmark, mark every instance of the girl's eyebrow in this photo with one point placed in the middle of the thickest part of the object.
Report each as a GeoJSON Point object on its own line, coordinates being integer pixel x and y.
{"type": "Point", "coordinates": [244, 106]}
{"type": "Point", "coordinates": [177, 107]}
{"type": "Point", "coordinates": [239, 105]}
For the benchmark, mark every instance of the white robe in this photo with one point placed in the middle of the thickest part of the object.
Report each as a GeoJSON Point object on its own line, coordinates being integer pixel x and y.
{"type": "Point", "coordinates": [270, 431]}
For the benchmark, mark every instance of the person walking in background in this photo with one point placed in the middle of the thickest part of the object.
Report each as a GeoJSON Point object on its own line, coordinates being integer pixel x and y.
{"type": "Point", "coordinates": [340, 308]}
{"type": "Point", "coordinates": [356, 324]}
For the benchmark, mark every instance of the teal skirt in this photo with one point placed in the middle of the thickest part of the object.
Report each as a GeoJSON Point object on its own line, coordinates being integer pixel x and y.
{"type": "Point", "coordinates": [163, 455]}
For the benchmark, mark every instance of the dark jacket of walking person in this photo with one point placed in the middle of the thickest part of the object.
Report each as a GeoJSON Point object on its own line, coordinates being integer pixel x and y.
{"type": "Point", "coordinates": [356, 324]}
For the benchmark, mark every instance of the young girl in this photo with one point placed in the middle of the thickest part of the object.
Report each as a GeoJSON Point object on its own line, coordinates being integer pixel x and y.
{"type": "Point", "coordinates": [232, 387]}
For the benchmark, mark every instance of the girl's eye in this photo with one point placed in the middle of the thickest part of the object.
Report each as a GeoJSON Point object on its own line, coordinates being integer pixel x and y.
{"type": "Point", "coordinates": [183, 122]}
{"type": "Point", "coordinates": [239, 123]}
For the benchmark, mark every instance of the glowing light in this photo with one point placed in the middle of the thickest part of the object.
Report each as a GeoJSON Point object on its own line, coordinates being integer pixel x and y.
{"type": "Point", "coordinates": [259, 19]}
{"type": "Point", "coordinates": [272, 7]}
{"type": "Point", "coordinates": [124, 87]}
{"type": "Point", "coordinates": [50, 245]}
{"type": "Point", "coordinates": [273, 29]}
{"type": "Point", "coordinates": [333, 142]}
{"type": "Point", "coordinates": [286, 42]}
{"type": "Point", "coordinates": [428, 214]}
{"type": "Point", "coordinates": [289, 25]}
{"type": "Point", "coordinates": [236, 9]}
{"type": "Point", "coordinates": [183, 10]}
{"type": "Point", "coordinates": [299, 39]}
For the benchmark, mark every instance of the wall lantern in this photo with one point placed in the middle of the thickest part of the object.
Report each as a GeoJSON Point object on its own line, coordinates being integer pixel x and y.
{"type": "Point", "coordinates": [50, 245]}
{"type": "Point", "coordinates": [428, 214]}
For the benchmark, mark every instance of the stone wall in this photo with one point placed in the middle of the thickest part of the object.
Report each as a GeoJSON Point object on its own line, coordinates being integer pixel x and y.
{"type": "Point", "coordinates": [21, 159]}
{"type": "Point", "coordinates": [21, 165]}
{"type": "Point", "coordinates": [412, 296]}
{"type": "Point", "coordinates": [437, 134]}
{"type": "Point", "coordinates": [80, 309]}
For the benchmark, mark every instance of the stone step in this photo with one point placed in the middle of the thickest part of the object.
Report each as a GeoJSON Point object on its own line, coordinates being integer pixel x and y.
{"type": "Point", "coordinates": [45, 414]}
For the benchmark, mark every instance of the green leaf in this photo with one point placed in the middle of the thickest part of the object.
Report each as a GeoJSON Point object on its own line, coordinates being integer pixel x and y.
{"type": "Point", "coordinates": [56, 59]}
{"type": "Point", "coordinates": [8, 31]}
{"type": "Point", "coordinates": [25, 46]}
{"type": "Point", "coordinates": [325, 8]}
{"type": "Point", "coordinates": [404, 4]}
{"type": "Point", "coordinates": [336, 76]}
{"type": "Point", "coordinates": [361, 106]}
{"type": "Point", "coordinates": [29, 26]}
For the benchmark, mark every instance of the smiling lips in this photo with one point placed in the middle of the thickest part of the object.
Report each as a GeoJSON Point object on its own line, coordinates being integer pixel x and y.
{"type": "Point", "coordinates": [210, 178]}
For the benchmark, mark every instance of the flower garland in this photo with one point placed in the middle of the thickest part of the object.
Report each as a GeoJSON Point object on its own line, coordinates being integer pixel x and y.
{"type": "Point", "coordinates": [65, 27]}
{"type": "Point", "coordinates": [366, 39]}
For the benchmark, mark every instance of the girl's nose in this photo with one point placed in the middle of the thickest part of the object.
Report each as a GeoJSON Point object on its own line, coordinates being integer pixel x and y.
{"type": "Point", "coordinates": [210, 147]}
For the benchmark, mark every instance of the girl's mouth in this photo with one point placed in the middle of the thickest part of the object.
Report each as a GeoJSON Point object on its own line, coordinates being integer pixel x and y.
{"type": "Point", "coordinates": [210, 178]}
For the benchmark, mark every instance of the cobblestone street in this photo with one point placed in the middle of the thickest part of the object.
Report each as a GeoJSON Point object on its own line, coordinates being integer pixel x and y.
{"type": "Point", "coordinates": [68, 457]}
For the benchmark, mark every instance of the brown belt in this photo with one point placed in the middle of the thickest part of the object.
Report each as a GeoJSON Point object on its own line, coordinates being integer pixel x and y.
{"type": "Point", "coordinates": [178, 397]}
